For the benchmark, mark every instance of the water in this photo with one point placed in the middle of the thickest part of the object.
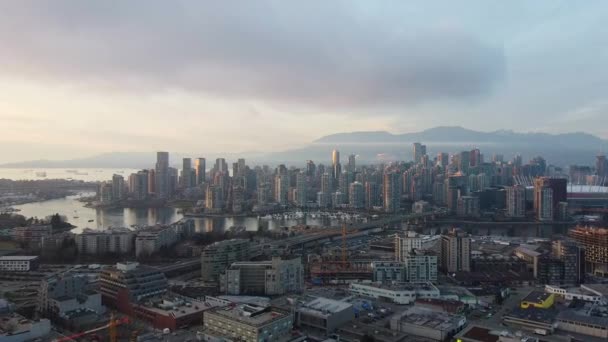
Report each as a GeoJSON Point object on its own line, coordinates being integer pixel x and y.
{"type": "Point", "coordinates": [90, 175]}
{"type": "Point", "coordinates": [80, 216]}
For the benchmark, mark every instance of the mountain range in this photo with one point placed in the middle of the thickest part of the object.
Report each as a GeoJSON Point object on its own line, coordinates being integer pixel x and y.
{"type": "Point", "coordinates": [377, 146]}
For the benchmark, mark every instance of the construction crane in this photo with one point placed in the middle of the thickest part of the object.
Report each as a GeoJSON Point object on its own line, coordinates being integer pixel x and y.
{"type": "Point", "coordinates": [111, 326]}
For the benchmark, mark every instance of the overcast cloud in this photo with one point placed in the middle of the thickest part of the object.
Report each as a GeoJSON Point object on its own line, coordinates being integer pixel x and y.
{"type": "Point", "coordinates": [196, 76]}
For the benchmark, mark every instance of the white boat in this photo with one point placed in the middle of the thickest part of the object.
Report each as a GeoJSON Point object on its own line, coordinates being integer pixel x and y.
{"type": "Point", "coordinates": [41, 174]}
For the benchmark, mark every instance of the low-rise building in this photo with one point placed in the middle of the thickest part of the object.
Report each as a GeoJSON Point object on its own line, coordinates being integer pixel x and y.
{"type": "Point", "coordinates": [425, 323]}
{"type": "Point", "coordinates": [32, 235]}
{"type": "Point", "coordinates": [16, 328]}
{"type": "Point", "coordinates": [247, 323]}
{"type": "Point", "coordinates": [273, 277]}
{"type": "Point", "coordinates": [171, 311]}
{"type": "Point", "coordinates": [18, 263]}
{"type": "Point", "coordinates": [400, 293]}
{"type": "Point", "coordinates": [357, 331]}
{"type": "Point", "coordinates": [582, 323]}
{"type": "Point", "coordinates": [538, 299]}
{"type": "Point", "coordinates": [69, 300]}
{"type": "Point", "coordinates": [532, 318]}
{"type": "Point", "coordinates": [129, 282]}
{"type": "Point", "coordinates": [99, 242]}
{"type": "Point", "coordinates": [583, 293]}
{"type": "Point", "coordinates": [324, 315]}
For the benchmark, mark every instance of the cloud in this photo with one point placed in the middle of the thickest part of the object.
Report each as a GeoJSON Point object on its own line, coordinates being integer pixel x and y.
{"type": "Point", "coordinates": [322, 54]}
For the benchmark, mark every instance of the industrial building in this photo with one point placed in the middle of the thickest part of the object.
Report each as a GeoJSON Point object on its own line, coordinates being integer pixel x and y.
{"type": "Point", "coordinates": [16, 328]}
{"type": "Point", "coordinates": [582, 323]}
{"type": "Point", "coordinates": [585, 293]}
{"type": "Point", "coordinates": [538, 299]}
{"type": "Point", "coordinates": [398, 293]}
{"type": "Point", "coordinates": [247, 323]}
{"type": "Point", "coordinates": [325, 315]}
{"type": "Point", "coordinates": [425, 323]}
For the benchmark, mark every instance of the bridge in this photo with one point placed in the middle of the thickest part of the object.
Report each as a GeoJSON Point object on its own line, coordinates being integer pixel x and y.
{"type": "Point", "coordinates": [329, 233]}
{"type": "Point", "coordinates": [181, 267]}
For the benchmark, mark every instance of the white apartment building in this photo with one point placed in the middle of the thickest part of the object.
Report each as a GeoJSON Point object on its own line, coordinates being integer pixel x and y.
{"type": "Point", "coordinates": [150, 241]}
{"type": "Point", "coordinates": [112, 240]}
{"type": "Point", "coordinates": [18, 263]}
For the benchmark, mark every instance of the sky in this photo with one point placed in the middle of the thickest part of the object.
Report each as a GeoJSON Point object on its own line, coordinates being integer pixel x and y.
{"type": "Point", "coordinates": [79, 78]}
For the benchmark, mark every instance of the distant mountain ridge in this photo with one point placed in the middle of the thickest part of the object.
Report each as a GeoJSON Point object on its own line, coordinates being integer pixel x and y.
{"type": "Point", "coordinates": [456, 134]}
{"type": "Point", "coordinates": [373, 147]}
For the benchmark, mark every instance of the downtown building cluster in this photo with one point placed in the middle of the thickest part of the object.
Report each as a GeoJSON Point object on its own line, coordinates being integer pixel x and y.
{"type": "Point", "coordinates": [465, 183]}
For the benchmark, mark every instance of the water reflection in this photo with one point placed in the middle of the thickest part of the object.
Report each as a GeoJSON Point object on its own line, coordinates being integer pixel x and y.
{"type": "Point", "coordinates": [83, 217]}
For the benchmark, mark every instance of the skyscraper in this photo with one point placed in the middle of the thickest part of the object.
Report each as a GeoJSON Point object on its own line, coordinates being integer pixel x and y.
{"type": "Point", "coordinates": [516, 201]}
{"type": "Point", "coordinates": [281, 188]}
{"type": "Point", "coordinates": [220, 165]}
{"type": "Point", "coordinates": [406, 244]}
{"type": "Point", "coordinates": [391, 192]}
{"type": "Point", "coordinates": [326, 183]}
{"type": "Point", "coordinates": [162, 185]}
{"type": "Point", "coordinates": [336, 167]}
{"type": "Point", "coordinates": [138, 184]}
{"type": "Point", "coordinates": [186, 173]}
{"type": "Point", "coordinates": [475, 157]}
{"type": "Point", "coordinates": [200, 165]}
{"type": "Point", "coordinates": [455, 252]}
{"type": "Point", "coordinates": [543, 199]}
{"type": "Point", "coordinates": [302, 189]}
{"type": "Point", "coordinates": [419, 151]}
{"type": "Point", "coordinates": [372, 195]}
{"type": "Point", "coordinates": [601, 167]}
{"type": "Point", "coordinates": [464, 162]}
{"type": "Point", "coordinates": [310, 168]}
{"type": "Point", "coordinates": [352, 163]}
{"type": "Point", "coordinates": [443, 159]}
{"type": "Point", "coordinates": [557, 194]}
{"type": "Point", "coordinates": [118, 187]}
{"type": "Point", "coordinates": [356, 195]}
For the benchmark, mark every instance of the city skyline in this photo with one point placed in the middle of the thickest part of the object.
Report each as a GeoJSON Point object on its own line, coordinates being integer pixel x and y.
{"type": "Point", "coordinates": [130, 74]}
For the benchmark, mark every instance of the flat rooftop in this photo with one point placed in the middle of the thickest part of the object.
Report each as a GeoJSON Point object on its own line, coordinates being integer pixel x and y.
{"type": "Point", "coordinates": [546, 316]}
{"type": "Point", "coordinates": [15, 324]}
{"type": "Point", "coordinates": [259, 318]}
{"type": "Point", "coordinates": [429, 318]}
{"type": "Point", "coordinates": [175, 306]}
{"type": "Point", "coordinates": [402, 286]}
{"type": "Point", "coordinates": [324, 306]}
{"type": "Point", "coordinates": [599, 288]}
{"type": "Point", "coordinates": [536, 297]}
{"type": "Point", "coordinates": [582, 318]}
{"type": "Point", "coordinates": [480, 334]}
{"type": "Point", "coordinates": [19, 258]}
